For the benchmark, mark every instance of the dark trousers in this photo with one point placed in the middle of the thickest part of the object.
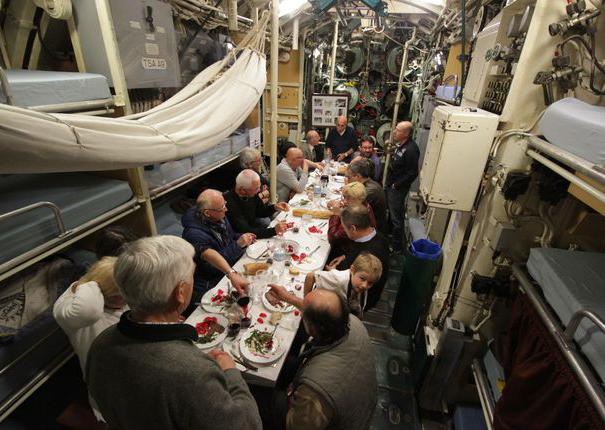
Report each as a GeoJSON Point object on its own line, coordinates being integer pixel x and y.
{"type": "Point", "coordinates": [396, 201]}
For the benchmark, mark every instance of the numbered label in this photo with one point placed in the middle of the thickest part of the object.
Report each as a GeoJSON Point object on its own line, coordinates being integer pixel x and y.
{"type": "Point", "coordinates": [154, 63]}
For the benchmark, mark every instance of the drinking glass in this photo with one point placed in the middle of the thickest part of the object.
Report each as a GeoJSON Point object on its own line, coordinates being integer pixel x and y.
{"type": "Point", "coordinates": [306, 220]}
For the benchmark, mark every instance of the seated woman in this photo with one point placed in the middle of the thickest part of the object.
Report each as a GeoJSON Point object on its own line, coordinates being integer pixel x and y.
{"type": "Point", "coordinates": [352, 284]}
{"type": "Point", "coordinates": [353, 193]}
{"type": "Point", "coordinates": [88, 307]}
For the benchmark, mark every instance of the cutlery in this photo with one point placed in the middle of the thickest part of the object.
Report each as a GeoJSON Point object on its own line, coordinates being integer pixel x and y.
{"type": "Point", "coordinates": [263, 253]}
{"type": "Point", "coordinates": [313, 252]}
{"type": "Point", "coordinates": [248, 366]}
{"type": "Point", "coordinates": [323, 224]}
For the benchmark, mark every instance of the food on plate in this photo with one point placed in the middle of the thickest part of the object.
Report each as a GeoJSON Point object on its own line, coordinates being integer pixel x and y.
{"type": "Point", "coordinates": [289, 249]}
{"type": "Point", "coordinates": [303, 202]}
{"type": "Point", "coordinates": [294, 271]}
{"type": "Point", "coordinates": [315, 230]}
{"type": "Point", "coordinates": [275, 317]}
{"type": "Point", "coordinates": [223, 299]}
{"type": "Point", "coordinates": [252, 268]}
{"type": "Point", "coordinates": [299, 258]}
{"type": "Point", "coordinates": [290, 225]}
{"type": "Point", "coordinates": [208, 330]}
{"type": "Point", "coordinates": [260, 343]}
{"type": "Point", "coordinates": [274, 300]}
{"type": "Point", "coordinates": [321, 214]}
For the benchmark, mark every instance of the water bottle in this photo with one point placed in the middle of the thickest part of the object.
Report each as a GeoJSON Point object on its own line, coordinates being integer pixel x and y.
{"type": "Point", "coordinates": [279, 259]}
{"type": "Point", "coordinates": [317, 194]}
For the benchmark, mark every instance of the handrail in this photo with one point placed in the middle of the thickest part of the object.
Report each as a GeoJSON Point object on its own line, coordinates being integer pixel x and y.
{"type": "Point", "coordinates": [5, 86]}
{"type": "Point", "coordinates": [486, 399]}
{"type": "Point", "coordinates": [579, 164]}
{"type": "Point", "coordinates": [577, 317]}
{"type": "Point", "coordinates": [51, 205]}
{"type": "Point", "coordinates": [583, 185]}
{"type": "Point", "coordinates": [12, 266]}
{"type": "Point", "coordinates": [585, 376]}
{"type": "Point", "coordinates": [75, 106]}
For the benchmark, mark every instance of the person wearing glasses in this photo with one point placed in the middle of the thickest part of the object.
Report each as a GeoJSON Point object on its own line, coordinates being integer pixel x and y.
{"type": "Point", "coordinates": [217, 246]}
{"type": "Point", "coordinates": [341, 142]}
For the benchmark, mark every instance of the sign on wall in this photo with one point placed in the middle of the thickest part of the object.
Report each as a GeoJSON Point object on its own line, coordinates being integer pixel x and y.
{"type": "Point", "coordinates": [325, 108]}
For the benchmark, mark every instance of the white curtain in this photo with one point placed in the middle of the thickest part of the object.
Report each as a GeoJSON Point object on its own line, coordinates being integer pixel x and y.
{"type": "Point", "coordinates": [204, 113]}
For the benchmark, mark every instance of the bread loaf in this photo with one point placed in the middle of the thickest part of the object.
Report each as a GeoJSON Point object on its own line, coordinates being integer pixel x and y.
{"type": "Point", "coordinates": [252, 268]}
{"type": "Point", "coordinates": [314, 213]}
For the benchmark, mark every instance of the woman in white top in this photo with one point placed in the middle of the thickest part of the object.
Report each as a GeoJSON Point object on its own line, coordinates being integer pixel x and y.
{"type": "Point", "coordinates": [88, 307]}
{"type": "Point", "coordinates": [351, 284]}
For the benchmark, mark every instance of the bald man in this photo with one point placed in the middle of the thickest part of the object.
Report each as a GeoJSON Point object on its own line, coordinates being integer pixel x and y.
{"type": "Point", "coordinates": [402, 171]}
{"type": "Point", "coordinates": [292, 174]}
{"type": "Point", "coordinates": [217, 246]}
{"type": "Point", "coordinates": [335, 385]}
{"type": "Point", "coordinates": [341, 142]}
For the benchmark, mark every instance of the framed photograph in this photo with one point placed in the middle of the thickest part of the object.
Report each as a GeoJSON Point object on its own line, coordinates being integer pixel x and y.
{"type": "Point", "coordinates": [326, 107]}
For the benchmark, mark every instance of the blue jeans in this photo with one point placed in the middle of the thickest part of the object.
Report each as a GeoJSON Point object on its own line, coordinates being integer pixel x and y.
{"type": "Point", "coordinates": [396, 203]}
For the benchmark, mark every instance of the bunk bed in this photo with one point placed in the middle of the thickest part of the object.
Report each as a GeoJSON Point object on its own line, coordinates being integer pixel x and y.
{"type": "Point", "coordinates": [47, 91]}
{"type": "Point", "coordinates": [43, 213]}
{"type": "Point", "coordinates": [555, 350]}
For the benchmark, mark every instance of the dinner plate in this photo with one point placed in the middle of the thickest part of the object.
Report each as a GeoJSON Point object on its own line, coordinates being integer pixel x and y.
{"type": "Point", "coordinates": [211, 306]}
{"type": "Point", "coordinates": [256, 249]}
{"type": "Point", "coordinates": [287, 308]}
{"type": "Point", "coordinates": [220, 337]}
{"type": "Point", "coordinates": [252, 356]}
{"type": "Point", "coordinates": [309, 263]}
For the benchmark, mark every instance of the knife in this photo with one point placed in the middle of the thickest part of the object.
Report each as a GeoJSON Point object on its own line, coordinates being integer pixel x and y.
{"type": "Point", "coordinates": [313, 252]}
{"type": "Point", "coordinates": [245, 364]}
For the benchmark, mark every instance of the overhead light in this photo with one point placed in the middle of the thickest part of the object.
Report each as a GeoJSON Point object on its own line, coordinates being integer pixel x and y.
{"type": "Point", "coordinates": [289, 6]}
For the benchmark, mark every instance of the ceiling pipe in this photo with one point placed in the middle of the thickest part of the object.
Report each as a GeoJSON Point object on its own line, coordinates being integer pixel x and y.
{"type": "Point", "coordinates": [273, 104]}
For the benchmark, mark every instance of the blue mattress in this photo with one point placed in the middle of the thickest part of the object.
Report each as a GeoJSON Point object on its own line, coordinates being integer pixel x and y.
{"type": "Point", "coordinates": [573, 280]}
{"type": "Point", "coordinates": [576, 127]}
{"type": "Point", "coordinates": [38, 88]}
{"type": "Point", "coordinates": [81, 198]}
{"type": "Point", "coordinates": [167, 220]}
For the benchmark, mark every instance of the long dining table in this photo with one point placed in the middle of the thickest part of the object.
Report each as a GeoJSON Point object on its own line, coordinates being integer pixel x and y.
{"type": "Point", "coordinates": [312, 238]}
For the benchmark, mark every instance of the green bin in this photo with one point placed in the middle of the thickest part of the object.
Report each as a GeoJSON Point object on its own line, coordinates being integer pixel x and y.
{"type": "Point", "coordinates": [420, 264]}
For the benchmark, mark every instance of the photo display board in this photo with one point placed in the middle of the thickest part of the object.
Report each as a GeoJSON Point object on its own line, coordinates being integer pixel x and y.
{"type": "Point", "coordinates": [326, 107]}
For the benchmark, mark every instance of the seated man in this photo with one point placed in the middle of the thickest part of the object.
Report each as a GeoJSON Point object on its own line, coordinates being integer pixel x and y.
{"type": "Point", "coordinates": [335, 385]}
{"type": "Point", "coordinates": [359, 171]}
{"type": "Point", "coordinates": [217, 246]}
{"type": "Point", "coordinates": [341, 142]}
{"type": "Point", "coordinates": [251, 158]}
{"type": "Point", "coordinates": [244, 207]}
{"type": "Point", "coordinates": [292, 174]}
{"type": "Point", "coordinates": [366, 150]}
{"type": "Point", "coordinates": [146, 372]}
{"type": "Point", "coordinates": [309, 150]}
{"type": "Point", "coordinates": [362, 237]}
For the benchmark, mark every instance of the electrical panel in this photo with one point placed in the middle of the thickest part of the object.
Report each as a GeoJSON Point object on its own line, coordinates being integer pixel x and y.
{"type": "Point", "coordinates": [458, 147]}
{"type": "Point", "coordinates": [145, 35]}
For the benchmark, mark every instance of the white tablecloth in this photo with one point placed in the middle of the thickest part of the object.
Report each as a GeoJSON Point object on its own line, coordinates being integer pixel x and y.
{"type": "Point", "coordinates": [267, 375]}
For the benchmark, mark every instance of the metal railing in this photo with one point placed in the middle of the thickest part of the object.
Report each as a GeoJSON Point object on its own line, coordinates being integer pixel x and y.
{"type": "Point", "coordinates": [577, 364]}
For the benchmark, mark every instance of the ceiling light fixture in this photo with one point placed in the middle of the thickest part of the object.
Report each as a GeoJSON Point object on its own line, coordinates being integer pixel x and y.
{"type": "Point", "coordinates": [289, 6]}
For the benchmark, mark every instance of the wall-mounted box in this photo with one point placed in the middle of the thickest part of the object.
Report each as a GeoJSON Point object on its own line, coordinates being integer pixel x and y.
{"type": "Point", "coordinates": [459, 144]}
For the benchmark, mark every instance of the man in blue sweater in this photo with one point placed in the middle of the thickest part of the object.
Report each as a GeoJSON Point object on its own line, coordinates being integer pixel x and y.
{"type": "Point", "coordinates": [402, 171]}
{"type": "Point", "coordinates": [217, 246]}
{"type": "Point", "coordinates": [341, 142]}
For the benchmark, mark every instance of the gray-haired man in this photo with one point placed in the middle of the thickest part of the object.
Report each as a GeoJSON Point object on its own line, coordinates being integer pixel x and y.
{"type": "Point", "coordinates": [146, 371]}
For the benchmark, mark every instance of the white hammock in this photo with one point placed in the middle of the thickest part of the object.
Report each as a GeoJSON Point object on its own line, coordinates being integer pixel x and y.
{"type": "Point", "coordinates": [198, 117]}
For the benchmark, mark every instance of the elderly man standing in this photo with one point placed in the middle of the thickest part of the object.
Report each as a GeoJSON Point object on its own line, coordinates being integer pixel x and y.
{"type": "Point", "coordinates": [341, 142]}
{"type": "Point", "coordinates": [217, 246]}
{"type": "Point", "coordinates": [335, 385]}
{"type": "Point", "coordinates": [245, 207]}
{"type": "Point", "coordinates": [366, 150]}
{"type": "Point", "coordinates": [402, 171]}
{"type": "Point", "coordinates": [359, 171]}
{"type": "Point", "coordinates": [292, 174]}
{"type": "Point", "coordinates": [146, 372]}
